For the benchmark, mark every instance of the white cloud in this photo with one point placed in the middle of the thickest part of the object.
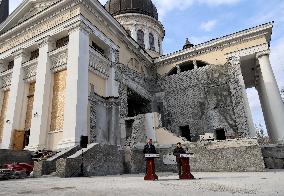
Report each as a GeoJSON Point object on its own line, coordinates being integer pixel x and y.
{"type": "Point", "coordinates": [208, 25]}
{"type": "Point", "coordinates": [103, 1]}
{"type": "Point", "coordinates": [14, 4]}
{"type": "Point", "coordinates": [165, 6]}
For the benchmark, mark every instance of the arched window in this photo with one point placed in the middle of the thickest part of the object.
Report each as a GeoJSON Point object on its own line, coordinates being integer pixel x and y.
{"type": "Point", "coordinates": [152, 42]}
{"type": "Point", "coordinates": [140, 38]}
{"type": "Point", "coordinates": [187, 66]}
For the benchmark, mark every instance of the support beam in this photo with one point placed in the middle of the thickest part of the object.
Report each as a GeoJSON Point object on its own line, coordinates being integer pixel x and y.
{"type": "Point", "coordinates": [271, 102]}
{"type": "Point", "coordinates": [111, 84]}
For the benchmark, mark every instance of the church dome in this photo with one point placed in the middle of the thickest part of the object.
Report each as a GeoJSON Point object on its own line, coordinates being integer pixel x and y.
{"type": "Point", "coordinates": [146, 7]}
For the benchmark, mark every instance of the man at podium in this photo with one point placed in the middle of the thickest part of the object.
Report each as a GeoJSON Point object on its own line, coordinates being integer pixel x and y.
{"type": "Point", "coordinates": [177, 151]}
{"type": "Point", "coordinates": [149, 148]}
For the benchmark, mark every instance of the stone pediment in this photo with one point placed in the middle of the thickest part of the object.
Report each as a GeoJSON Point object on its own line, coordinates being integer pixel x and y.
{"type": "Point", "coordinates": [26, 10]}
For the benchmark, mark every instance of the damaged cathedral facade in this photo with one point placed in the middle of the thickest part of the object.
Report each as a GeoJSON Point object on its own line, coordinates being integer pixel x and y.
{"type": "Point", "coordinates": [72, 68]}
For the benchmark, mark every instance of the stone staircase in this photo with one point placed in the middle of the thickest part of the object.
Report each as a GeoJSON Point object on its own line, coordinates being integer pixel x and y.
{"type": "Point", "coordinates": [98, 160]}
{"type": "Point", "coordinates": [46, 167]}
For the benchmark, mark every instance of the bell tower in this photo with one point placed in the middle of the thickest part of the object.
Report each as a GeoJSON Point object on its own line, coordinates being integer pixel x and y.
{"type": "Point", "coordinates": [140, 19]}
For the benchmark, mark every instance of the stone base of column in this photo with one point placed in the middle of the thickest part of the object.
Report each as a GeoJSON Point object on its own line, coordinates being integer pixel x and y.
{"type": "Point", "coordinates": [280, 142]}
{"type": "Point", "coordinates": [67, 143]}
{"type": "Point", "coordinates": [34, 147]}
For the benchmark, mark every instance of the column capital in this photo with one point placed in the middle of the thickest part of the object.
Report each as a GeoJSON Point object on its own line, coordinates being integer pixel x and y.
{"type": "Point", "coordinates": [79, 26]}
{"type": "Point", "coordinates": [44, 41]}
{"type": "Point", "coordinates": [114, 55]}
{"type": "Point", "coordinates": [19, 53]}
{"type": "Point", "coordinates": [234, 60]}
{"type": "Point", "coordinates": [2, 61]}
{"type": "Point", "coordinates": [262, 53]}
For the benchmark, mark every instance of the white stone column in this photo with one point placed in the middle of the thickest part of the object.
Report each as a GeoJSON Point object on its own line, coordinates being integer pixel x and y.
{"type": "Point", "coordinates": [134, 33]}
{"type": "Point", "coordinates": [112, 85]}
{"type": "Point", "coordinates": [156, 37]}
{"type": "Point", "coordinates": [149, 126]}
{"type": "Point", "coordinates": [271, 102]}
{"type": "Point", "coordinates": [146, 39]}
{"type": "Point", "coordinates": [252, 132]}
{"type": "Point", "coordinates": [16, 97]}
{"type": "Point", "coordinates": [2, 64]}
{"type": "Point", "coordinates": [76, 95]}
{"type": "Point", "coordinates": [244, 113]}
{"type": "Point", "coordinates": [40, 126]}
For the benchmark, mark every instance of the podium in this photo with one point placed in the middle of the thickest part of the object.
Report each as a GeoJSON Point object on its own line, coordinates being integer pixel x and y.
{"type": "Point", "coordinates": [185, 168]}
{"type": "Point", "coordinates": [150, 167]}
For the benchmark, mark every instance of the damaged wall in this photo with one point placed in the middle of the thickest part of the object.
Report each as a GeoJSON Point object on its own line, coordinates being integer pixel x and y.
{"type": "Point", "coordinates": [230, 156]}
{"type": "Point", "coordinates": [203, 99]}
{"type": "Point", "coordinates": [104, 120]}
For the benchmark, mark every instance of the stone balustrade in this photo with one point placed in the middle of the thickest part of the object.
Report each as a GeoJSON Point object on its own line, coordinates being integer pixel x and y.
{"type": "Point", "coordinates": [58, 58]}
{"type": "Point", "coordinates": [99, 64]}
{"type": "Point", "coordinates": [30, 68]}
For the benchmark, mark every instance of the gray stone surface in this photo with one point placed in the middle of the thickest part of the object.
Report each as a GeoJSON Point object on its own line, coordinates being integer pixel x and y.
{"type": "Point", "coordinates": [46, 167]}
{"type": "Point", "coordinates": [138, 134]}
{"type": "Point", "coordinates": [99, 160]}
{"type": "Point", "coordinates": [206, 98]}
{"type": "Point", "coordinates": [210, 157]}
{"type": "Point", "coordinates": [10, 156]}
{"type": "Point", "coordinates": [207, 184]}
{"type": "Point", "coordinates": [273, 156]}
{"type": "Point", "coordinates": [104, 120]}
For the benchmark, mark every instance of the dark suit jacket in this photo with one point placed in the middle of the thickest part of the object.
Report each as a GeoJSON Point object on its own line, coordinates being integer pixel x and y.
{"type": "Point", "coordinates": [177, 152]}
{"type": "Point", "coordinates": [149, 149]}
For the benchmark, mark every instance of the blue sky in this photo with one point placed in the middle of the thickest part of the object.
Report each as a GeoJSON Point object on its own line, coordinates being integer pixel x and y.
{"type": "Point", "coordinates": [202, 20]}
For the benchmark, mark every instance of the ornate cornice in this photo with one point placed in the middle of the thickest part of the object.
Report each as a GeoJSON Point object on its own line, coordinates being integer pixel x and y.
{"type": "Point", "coordinates": [36, 28]}
{"type": "Point", "coordinates": [248, 51]}
{"type": "Point", "coordinates": [263, 53]}
{"type": "Point", "coordinates": [20, 53]}
{"type": "Point", "coordinates": [79, 26]}
{"type": "Point", "coordinates": [99, 34]}
{"type": "Point", "coordinates": [58, 59]}
{"type": "Point", "coordinates": [6, 78]}
{"type": "Point", "coordinates": [110, 23]}
{"type": "Point", "coordinates": [44, 41]}
{"type": "Point", "coordinates": [30, 69]}
{"type": "Point", "coordinates": [99, 64]}
{"type": "Point", "coordinates": [216, 44]}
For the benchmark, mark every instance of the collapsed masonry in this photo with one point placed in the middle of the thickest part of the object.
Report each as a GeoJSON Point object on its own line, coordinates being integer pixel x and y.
{"type": "Point", "coordinates": [194, 101]}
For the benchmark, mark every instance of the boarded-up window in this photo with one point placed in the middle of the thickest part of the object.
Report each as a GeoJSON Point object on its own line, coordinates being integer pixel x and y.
{"type": "Point", "coordinates": [57, 112]}
{"type": "Point", "coordinates": [29, 111]}
{"type": "Point", "coordinates": [3, 112]}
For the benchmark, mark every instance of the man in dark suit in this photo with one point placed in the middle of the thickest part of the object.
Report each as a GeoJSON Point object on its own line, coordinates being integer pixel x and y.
{"type": "Point", "coordinates": [149, 148]}
{"type": "Point", "coordinates": [177, 151]}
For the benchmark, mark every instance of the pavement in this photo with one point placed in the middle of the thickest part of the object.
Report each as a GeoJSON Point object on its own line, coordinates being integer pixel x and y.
{"type": "Point", "coordinates": [268, 183]}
